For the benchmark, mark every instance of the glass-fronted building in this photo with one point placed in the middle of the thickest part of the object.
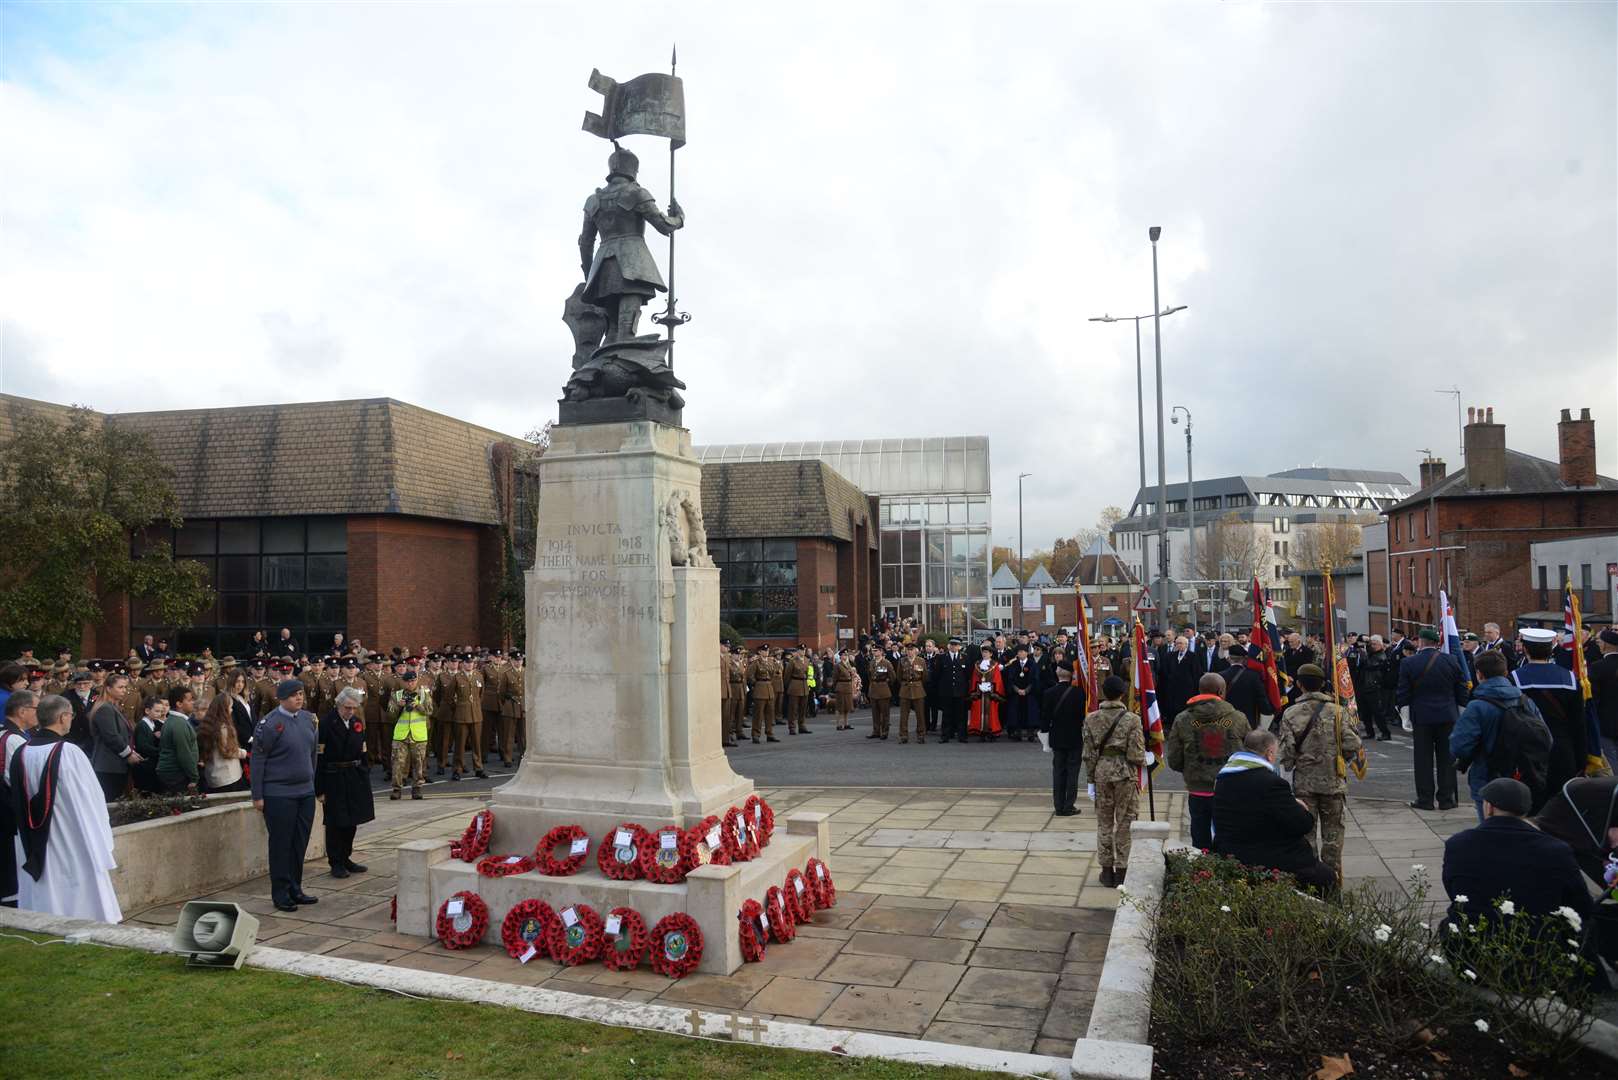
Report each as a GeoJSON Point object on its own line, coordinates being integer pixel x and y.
{"type": "Point", "coordinates": [933, 517]}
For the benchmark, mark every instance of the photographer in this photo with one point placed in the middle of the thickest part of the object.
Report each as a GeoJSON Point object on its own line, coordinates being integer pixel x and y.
{"type": "Point", "coordinates": [409, 708]}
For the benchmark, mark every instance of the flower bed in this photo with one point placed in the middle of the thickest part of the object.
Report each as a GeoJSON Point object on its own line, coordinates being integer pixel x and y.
{"type": "Point", "coordinates": [147, 807]}
{"type": "Point", "coordinates": [1255, 979]}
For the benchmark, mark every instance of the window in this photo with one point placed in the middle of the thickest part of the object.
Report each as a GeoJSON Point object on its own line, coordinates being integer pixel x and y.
{"type": "Point", "coordinates": [1427, 572]}
{"type": "Point", "coordinates": [1544, 588]}
{"type": "Point", "coordinates": [758, 586]}
{"type": "Point", "coordinates": [1395, 522]}
{"type": "Point", "coordinates": [1176, 506]}
{"type": "Point", "coordinates": [1278, 547]}
{"type": "Point", "coordinates": [1587, 597]}
{"type": "Point", "coordinates": [267, 573]}
{"type": "Point", "coordinates": [1206, 502]}
{"type": "Point", "coordinates": [1398, 579]}
{"type": "Point", "coordinates": [1277, 571]}
{"type": "Point", "coordinates": [1427, 521]}
{"type": "Point", "coordinates": [1243, 499]}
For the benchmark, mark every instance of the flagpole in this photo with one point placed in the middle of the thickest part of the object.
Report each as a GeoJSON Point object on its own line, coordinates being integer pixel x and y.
{"type": "Point", "coordinates": [670, 318]}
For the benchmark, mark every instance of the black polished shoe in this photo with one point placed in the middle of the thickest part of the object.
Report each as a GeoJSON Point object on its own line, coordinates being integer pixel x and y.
{"type": "Point", "coordinates": [1417, 804]}
{"type": "Point", "coordinates": [354, 867]}
{"type": "Point", "coordinates": [305, 898]}
{"type": "Point", "coordinates": [772, 738]}
{"type": "Point", "coordinates": [339, 871]}
{"type": "Point", "coordinates": [481, 775]}
{"type": "Point", "coordinates": [1446, 806]}
{"type": "Point", "coordinates": [288, 906]}
{"type": "Point", "coordinates": [873, 735]}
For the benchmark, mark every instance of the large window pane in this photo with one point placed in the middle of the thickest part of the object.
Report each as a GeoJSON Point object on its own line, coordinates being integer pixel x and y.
{"type": "Point", "coordinates": [719, 550]}
{"type": "Point", "coordinates": [326, 571]}
{"type": "Point", "coordinates": [778, 550]}
{"type": "Point", "coordinates": [238, 572]}
{"type": "Point", "coordinates": [959, 547]}
{"type": "Point", "coordinates": [957, 511]}
{"type": "Point", "coordinates": [936, 545]}
{"type": "Point", "coordinates": [781, 624]}
{"type": "Point", "coordinates": [742, 573]}
{"type": "Point", "coordinates": [977, 511]}
{"type": "Point", "coordinates": [328, 609]}
{"type": "Point", "coordinates": [328, 534]}
{"type": "Point", "coordinates": [283, 534]}
{"type": "Point", "coordinates": [782, 599]}
{"type": "Point", "coordinates": [890, 546]}
{"type": "Point", "coordinates": [195, 538]}
{"type": "Point", "coordinates": [890, 581]}
{"type": "Point", "coordinates": [284, 609]}
{"type": "Point", "coordinates": [958, 583]}
{"type": "Point", "coordinates": [238, 537]}
{"type": "Point", "coordinates": [741, 599]}
{"type": "Point", "coordinates": [937, 579]}
{"type": "Point", "coordinates": [937, 512]}
{"type": "Point", "coordinates": [745, 550]}
{"type": "Point", "coordinates": [780, 573]}
{"type": "Point", "coordinates": [283, 572]}
{"type": "Point", "coordinates": [911, 582]}
{"type": "Point", "coordinates": [910, 544]}
{"type": "Point", "coordinates": [747, 623]}
{"type": "Point", "coordinates": [194, 641]}
{"type": "Point", "coordinates": [237, 609]}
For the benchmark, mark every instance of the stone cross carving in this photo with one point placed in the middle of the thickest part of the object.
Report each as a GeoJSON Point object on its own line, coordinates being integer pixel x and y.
{"type": "Point", "coordinates": [694, 1018]}
{"type": "Point", "coordinates": [688, 537]}
{"type": "Point", "coordinates": [751, 1028]}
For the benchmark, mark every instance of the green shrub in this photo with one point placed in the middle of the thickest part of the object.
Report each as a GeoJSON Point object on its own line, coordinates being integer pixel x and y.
{"type": "Point", "coordinates": [728, 634]}
{"type": "Point", "coordinates": [1246, 960]}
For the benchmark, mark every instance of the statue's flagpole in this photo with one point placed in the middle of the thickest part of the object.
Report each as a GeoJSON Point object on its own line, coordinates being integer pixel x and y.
{"type": "Point", "coordinates": [669, 318]}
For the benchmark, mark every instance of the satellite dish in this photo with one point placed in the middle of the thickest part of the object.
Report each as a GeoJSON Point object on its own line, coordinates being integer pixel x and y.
{"type": "Point", "coordinates": [213, 934]}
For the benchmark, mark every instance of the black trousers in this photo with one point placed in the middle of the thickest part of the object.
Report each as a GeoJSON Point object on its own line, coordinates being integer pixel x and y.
{"type": "Point", "coordinates": [8, 868]}
{"type": "Point", "coordinates": [1432, 753]}
{"type": "Point", "coordinates": [954, 719]}
{"type": "Point", "coordinates": [932, 714]}
{"type": "Point", "coordinates": [113, 784]}
{"type": "Point", "coordinates": [1065, 776]}
{"type": "Point", "coordinates": [1201, 807]}
{"type": "Point", "coordinates": [1014, 714]}
{"type": "Point", "coordinates": [289, 820]}
{"type": "Point", "coordinates": [340, 844]}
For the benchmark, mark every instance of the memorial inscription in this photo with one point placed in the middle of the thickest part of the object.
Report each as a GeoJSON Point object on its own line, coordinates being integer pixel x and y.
{"type": "Point", "coordinates": [589, 558]}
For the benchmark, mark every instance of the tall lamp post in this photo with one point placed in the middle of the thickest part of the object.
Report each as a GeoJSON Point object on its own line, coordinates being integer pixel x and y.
{"type": "Point", "coordinates": [1140, 417]}
{"type": "Point", "coordinates": [1152, 234]}
{"type": "Point", "coordinates": [1190, 497]}
{"type": "Point", "coordinates": [1019, 526]}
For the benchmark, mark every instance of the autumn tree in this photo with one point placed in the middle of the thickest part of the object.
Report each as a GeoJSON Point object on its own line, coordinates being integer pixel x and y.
{"type": "Point", "coordinates": [72, 492]}
{"type": "Point", "coordinates": [1328, 543]}
{"type": "Point", "coordinates": [1230, 549]}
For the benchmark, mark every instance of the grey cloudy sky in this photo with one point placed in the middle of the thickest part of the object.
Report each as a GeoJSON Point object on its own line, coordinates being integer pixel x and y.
{"type": "Point", "coordinates": [900, 218]}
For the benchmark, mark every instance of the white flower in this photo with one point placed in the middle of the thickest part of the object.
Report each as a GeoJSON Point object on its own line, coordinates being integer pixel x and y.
{"type": "Point", "coordinates": [1224, 907]}
{"type": "Point", "coordinates": [1453, 928]}
{"type": "Point", "coordinates": [1463, 899]}
{"type": "Point", "coordinates": [1417, 868]}
{"type": "Point", "coordinates": [1122, 891]}
{"type": "Point", "coordinates": [1470, 974]}
{"type": "Point", "coordinates": [1481, 1025]}
{"type": "Point", "coordinates": [1435, 958]}
{"type": "Point", "coordinates": [1382, 933]}
{"type": "Point", "coordinates": [1507, 908]}
{"type": "Point", "coordinates": [1571, 916]}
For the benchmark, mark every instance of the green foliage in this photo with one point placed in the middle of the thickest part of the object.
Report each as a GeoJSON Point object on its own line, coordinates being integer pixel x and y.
{"type": "Point", "coordinates": [510, 597]}
{"type": "Point", "coordinates": [1246, 960]}
{"type": "Point", "coordinates": [728, 633]}
{"type": "Point", "coordinates": [149, 1016]}
{"type": "Point", "coordinates": [72, 491]}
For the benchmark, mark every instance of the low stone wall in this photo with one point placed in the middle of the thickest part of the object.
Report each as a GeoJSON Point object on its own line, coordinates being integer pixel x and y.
{"type": "Point", "coordinates": [187, 855]}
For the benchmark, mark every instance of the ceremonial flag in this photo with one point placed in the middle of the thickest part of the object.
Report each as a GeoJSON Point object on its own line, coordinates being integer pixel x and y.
{"type": "Point", "coordinates": [649, 105]}
{"type": "Point", "coordinates": [1452, 637]}
{"type": "Point", "coordinates": [1266, 636]}
{"type": "Point", "coordinates": [1342, 684]}
{"type": "Point", "coordinates": [1084, 669]}
{"type": "Point", "coordinates": [1573, 627]}
{"type": "Point", "coordinates": [1146, 701]}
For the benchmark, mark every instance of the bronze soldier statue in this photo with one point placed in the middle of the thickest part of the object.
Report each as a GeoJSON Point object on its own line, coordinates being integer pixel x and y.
{"type": "Point", "coordinates": [620, 275]}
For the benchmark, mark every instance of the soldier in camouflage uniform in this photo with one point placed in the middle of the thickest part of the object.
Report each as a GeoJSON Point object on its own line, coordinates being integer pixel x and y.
{"type": "Point", "coordinates": [1312, 732]}
{"type": "Point", "coordinates": [1114, 747]}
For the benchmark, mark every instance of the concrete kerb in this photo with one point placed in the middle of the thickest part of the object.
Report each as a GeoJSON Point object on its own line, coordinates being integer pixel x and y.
{"type": "Point", "coordinates": [1117, 1044]}
{"type": "Point", "coordinates": [644, 1016]}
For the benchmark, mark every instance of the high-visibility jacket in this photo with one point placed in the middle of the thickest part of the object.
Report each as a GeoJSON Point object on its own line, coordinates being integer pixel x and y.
{"type": "Point", "coordinates": [410, 724]}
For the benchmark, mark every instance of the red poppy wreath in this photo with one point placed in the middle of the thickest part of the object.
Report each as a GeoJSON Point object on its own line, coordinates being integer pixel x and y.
{"type": "Point", "coordinates": [462, 920]}
{"type": "Point", "coordinates": [525, 927]}
{"type": "Point", "coordinates": [474, 842]}
{"type": "Point", "coordinates": [626, 939]}
{"type": "Point", "coordinates": [820, 881]}
{"type": "Point", "coordinates": [575, 936]}
{"type": "Point", "coordinates": [800, 900]}
{"type": "Point", "coordinates": [505, 865]}
{"type": "Point", "coordinates": [761, 817]}
{"type": "Point", "coordinates": [781, 924]}
{"type": "Point", "coordinates": [578, 847]}
{"type": "Point", "coordinates": [676, 945]}
{"type": "Point", "coordinates": [663, 855]}
{"type": "Point", "coordinates": [741, 842]}
{"type": "Point", "coordinates": [706, 840]}
{"type": "Point", "coordinates": [754, 930]}
{"type": "Point", "coordinates": [620, 861]}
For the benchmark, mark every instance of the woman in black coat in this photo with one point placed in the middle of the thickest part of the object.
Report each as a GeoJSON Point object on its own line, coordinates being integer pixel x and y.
{"type": "Point", "coordinates": [343, 780]}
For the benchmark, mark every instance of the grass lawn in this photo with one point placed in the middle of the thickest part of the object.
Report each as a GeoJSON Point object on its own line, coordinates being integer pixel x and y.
{"type": "Point", "coordinates": [85, 1010]}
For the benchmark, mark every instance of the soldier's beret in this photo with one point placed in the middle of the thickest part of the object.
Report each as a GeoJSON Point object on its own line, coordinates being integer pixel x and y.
{"type": "Point", "coordinates": [1609, 636]}
{"type": "Point", "coordinates": [1427, 633]}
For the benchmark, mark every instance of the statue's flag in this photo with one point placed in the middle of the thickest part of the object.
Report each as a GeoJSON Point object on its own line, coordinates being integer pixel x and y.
{"type": "Point", "coordinates": [649, 105]}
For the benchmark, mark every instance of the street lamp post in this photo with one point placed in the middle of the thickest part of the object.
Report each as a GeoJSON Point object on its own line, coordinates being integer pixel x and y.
{"type": "Point", "coordinates": [1140, 417]}
{"type": "Point", "coordinates": [1020, 580]}
{"type": "Point", "coordinates": [1152, 234]}
{"type": "Point", "coordinates": [1190, 499]}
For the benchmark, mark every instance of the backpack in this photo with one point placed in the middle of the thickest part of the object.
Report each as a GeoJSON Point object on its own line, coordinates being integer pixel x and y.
{"type": "Point", "coordinates": [1522, 746]}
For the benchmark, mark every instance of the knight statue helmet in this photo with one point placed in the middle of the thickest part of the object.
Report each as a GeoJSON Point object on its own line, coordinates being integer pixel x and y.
{"type": "Point", "coordinates": [622, 163]}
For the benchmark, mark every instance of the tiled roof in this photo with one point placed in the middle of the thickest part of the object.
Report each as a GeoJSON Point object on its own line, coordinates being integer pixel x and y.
{"type": "Point", "coordinates": [369, 456]}
{"type": "Point", "coordinates": [781, 498]}
{"type": "Point", "coordinates": [1525, 475]}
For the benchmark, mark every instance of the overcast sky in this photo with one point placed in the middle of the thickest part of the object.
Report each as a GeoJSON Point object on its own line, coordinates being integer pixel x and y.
{"type": "Point", "coordinates": [900, 218]}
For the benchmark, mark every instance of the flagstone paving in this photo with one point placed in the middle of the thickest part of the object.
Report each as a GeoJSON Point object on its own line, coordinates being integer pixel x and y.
{"type": "Point", "coordinates": [967, 916]}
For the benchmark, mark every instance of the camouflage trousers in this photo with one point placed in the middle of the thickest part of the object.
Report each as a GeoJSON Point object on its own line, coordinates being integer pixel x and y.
{"type": "Point", "coordinates": [1328, 811]}
{"type": "Point", "coordinates": [1117, 806]}
{"type": "Point", "coordinates": [409, 759]}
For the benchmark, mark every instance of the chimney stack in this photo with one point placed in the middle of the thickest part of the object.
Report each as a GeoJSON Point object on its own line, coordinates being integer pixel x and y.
{"type": "Point", "coordinates": [1576, 445]}
{"type": "Point", "coordinates": [1432, 471]}
{"type": "Point", "coordinates": [1485, 449]}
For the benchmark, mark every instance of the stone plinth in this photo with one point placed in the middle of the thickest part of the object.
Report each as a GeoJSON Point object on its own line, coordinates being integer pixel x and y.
{"type": "Point", "coordinates": [623, 705]}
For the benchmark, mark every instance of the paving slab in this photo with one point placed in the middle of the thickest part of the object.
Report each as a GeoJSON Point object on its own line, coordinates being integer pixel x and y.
{"type": "Point", "coordinates": [904, 1012]}
{"type": "Point", "coordinates": [1011, 1016]}
{"type": "Point", "coordinates": [910, 946]}
{"type": "Point", "coordinates": [1087, 947]}
{"type": "Point", "coordinates": [932, 975]}
{"type": "Point", "coordinates": [1038, 917]}
{"type": "Point", "coordinates": [936, 858]}
{"type": "Point", "coordinates": [1069, 1015]}
{"type": "Point", "coordinates": [801, 998]}
{"type": "Point", "coordinates": [981, 873]}
{"type": "Point", "coordinates": [802, 957]}
{"type": "Point", "coordinates": [1052, 941]}
{"type": "Point", "coordinates": [1015, 959]}
{"type": "Point", "coordinates": [995, 1038]}
{"type": "Point", "coordinates": [906, 838]}
{"type": "Point", "coordinates": [966, 920]}
{"type": "Point", "coordinates": [865, 970]}
{"type": "Point", "coordinates": [989, 840]}
{"type": "Point", "coordinates": [1083, 841]}
{"type": "Point", "coordinates": [445, 963]}
{"type": "Point", "coordinates": [929, 903]}
{"type": "Point", "coordinates": [998, 986]}
{"type": "Point", "coordinates": [360, 950]}
{"type": "Point", "coordinates": [899, 920]}
{"type": "Point", "coordinates": [903, 875]}
{"type": "Point", "coordinates": [720, 991]}
{"type": "Point", "coordinates": [957, 889]}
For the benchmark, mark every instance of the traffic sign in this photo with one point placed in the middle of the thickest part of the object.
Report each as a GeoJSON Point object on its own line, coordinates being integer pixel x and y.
{"type": "Point", "coordinates": [1145, 602]}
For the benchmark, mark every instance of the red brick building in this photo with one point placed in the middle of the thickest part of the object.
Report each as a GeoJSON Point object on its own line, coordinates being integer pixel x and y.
{"type": "Point", "coordinates": [1470, 532]}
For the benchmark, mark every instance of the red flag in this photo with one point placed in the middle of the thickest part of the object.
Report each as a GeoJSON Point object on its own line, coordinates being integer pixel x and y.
{"type": "Point", "coordinates": [1085, 668]}
{"type": "Point", "coordinates": [1146, 701]}
{"type": "Point", "coordinates": [1267, 643]}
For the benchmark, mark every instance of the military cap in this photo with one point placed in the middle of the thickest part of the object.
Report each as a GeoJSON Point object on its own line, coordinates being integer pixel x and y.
{"type": "Point", "coordinates": [409, 673]}
{"type": "Point", "coordinates": [1312, 671]}
{"type": "Point", "coordinates": [1539, 635]}
{"type": "Point", "coordinates": [257, 661]}
{"type": "Point", "coordinates": [228, 662]}
{"type": "Point", "coordinates": [1609, 636]}
{"type": "Point", "coordinates": [95, 665]}
{"type": "Point", "coordinates": [81, 676]}
{"type": "Point", "coordinates": [516, 656]}
{"type": "Point", "coordinates": [437, 656]}
{"type": "Point", "coordinates": [134, 664]}
{"type": "Point", "coordinates": [1427, 633]}
{"type": "Point", "coordinates": [62, 667]}
{"type": "Point", "coordinates": [1469, 636]}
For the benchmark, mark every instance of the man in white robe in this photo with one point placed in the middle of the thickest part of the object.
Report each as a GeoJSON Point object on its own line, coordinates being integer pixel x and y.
{"type": "Point", "coordinates": [64, 838]}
